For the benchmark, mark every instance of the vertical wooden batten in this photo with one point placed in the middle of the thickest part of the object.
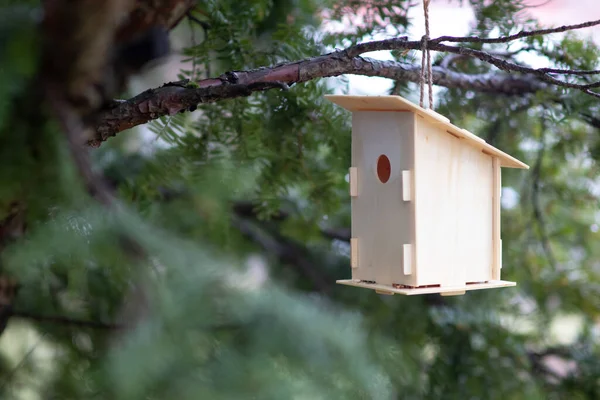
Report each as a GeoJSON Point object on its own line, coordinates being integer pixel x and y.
{"type": "Point", "coordinates": [414, 200]}
{"type": "Point", "coordinates": [406, 186]}
{"type": "Point", "coordinates": [496, 241]}
{"type": "Point", "coordinates": [354, 252]}
{"type": "Point", "coordinates": [353, 177]}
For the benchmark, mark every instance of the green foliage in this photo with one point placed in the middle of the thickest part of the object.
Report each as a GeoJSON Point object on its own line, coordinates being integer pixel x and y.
{"type": "Point", "coordinates": [222, 265]}
{"type": "Point", "coordinates": [505, 16]}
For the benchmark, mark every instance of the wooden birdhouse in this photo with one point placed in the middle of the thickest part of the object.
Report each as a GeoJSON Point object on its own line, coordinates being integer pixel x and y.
{"type": "Point", "coordinates": [425, 200]}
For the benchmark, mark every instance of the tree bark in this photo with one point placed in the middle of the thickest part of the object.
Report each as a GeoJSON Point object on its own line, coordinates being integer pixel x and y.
{"type": "Point", "coordinates": [178, 97]}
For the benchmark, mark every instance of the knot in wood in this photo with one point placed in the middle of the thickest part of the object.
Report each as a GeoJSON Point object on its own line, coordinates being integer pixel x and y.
{"type": "Point", "coordinates": [230, 77]}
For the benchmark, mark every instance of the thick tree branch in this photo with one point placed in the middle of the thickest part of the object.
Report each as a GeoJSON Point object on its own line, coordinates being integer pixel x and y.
{"type": "Point", "coordinates": [569, 71]}
{"type": "Point", "coordinates": [181, 96]}
{"type": "Point", "coordinates": [286, 251]}
{"type": "Point", "coordinates": [173, 98]}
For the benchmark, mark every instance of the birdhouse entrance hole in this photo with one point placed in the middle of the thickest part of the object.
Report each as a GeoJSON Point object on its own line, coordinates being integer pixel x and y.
{"type": "Point", "coordinates": [384, 168]}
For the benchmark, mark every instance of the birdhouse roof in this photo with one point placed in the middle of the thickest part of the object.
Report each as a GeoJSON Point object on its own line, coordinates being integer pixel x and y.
{"type": "Point", "coordinates": [397, 103]}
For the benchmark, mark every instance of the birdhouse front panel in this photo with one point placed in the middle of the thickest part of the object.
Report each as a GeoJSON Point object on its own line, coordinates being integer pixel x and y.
{"type": "Point", "coordinates": [453, 208]}
{"type": "Point", "coordinates": [382, 148]}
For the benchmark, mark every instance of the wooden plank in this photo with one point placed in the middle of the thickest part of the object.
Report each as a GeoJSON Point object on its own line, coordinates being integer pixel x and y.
{"type": "Point", "coordinates": [373, 103]}
{"type": "Point", "coordinates": [353, 177]}
{"type": "Point", "coordinates": [380, 219]}
{"type": "Point", "coordinates": [407, 260]}
{"type": "Point", "coordinates": [457, 293]}
{"type": "Point", "coordinates": [354, 252]}
{"type": "Point", "coordinates": [500, 256]}
{"type": "Point", "coordinates": [427, 290]}
{"type": "Point", "coordinates": [496, 208]}
{"type": "Point", "coordinates": [453, 208]}
{"type": "Point", "coordinates": [406, 186]}
{"type": "Point", "coordinates": [397, 103]}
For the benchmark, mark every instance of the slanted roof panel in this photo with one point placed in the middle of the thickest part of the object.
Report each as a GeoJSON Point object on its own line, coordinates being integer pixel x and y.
{"type": "Point", "coordinates": [397, 103]}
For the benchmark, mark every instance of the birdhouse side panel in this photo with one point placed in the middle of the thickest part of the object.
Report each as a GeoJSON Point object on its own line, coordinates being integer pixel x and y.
{"type": "Point", "coordinates": [382, 221]}
{"type": "Point", "coordinates": [453, 195]}
{"type": "Point", "coordinates": [496, 204]}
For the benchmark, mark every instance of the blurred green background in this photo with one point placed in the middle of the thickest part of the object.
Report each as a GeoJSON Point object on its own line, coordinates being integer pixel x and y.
{"type": "Point", "coordinates": [242, 209]}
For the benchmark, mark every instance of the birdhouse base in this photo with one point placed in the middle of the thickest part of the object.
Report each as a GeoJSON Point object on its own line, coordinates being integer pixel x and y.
{"type": "Point", "coordinates": [411, 291]}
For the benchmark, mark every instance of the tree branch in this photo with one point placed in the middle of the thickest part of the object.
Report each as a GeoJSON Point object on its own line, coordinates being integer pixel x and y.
{"type": "Point", "coordinates": [535, 200]}
{"type": "Point", "coordinates": [178, 97]}
{"type": "Point", "coordinates": [67, 321]}
{"type": "Point", "coordinates": [173, 98]}
{"type": "Point", "coordinates": [286, 251]}
{"type": "Point", "coordinates": [516, 36]}
{"type": "Point", "coordinates": [569, 71]}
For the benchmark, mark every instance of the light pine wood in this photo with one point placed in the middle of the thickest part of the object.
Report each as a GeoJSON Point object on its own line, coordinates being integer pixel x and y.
{"type": "Point", "coordinates": [426, 290]}
{"type": "Point", "coordinates": [497, 242]}
{"type": "Point", "coordinates": [407, 261]}
{"type": "Point", "coordinates": [406, 186]}
{"type": "Point", "coordinates": [453, 209]}
{"type": "Point", "coordinates": [353, 176]}
{"type": "Point", "coordinates": [500, 254]}
{"type": "Point", "coordinates": [425, 198]}
{"type": "Point", "coordinates": [397, 103]}
{"type": "Point", "coordinates": [354, 252]}
{"type": "Point", "coordinates": [457, 293]}
{"type": "Point", "coordinates": [381, 220]}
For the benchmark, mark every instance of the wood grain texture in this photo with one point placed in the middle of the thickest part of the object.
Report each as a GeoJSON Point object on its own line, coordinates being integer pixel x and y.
{"type": "Point", "coordinates": [496, 240]}
{"type": "Point", "coordinates": [397, 103]}
{"type": "Point", "coordinates": [453, 201]}
{"type": "Point", "coordinates": [427, 219]}
{"type": "Point", "coordinates": [381, 220]}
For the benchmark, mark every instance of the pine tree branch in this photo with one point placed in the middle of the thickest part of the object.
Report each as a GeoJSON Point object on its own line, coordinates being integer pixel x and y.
{"type": "Point", "coordinates": [516, 36]}
{"type": "Point", "coordinates": [181, 96]}
{"type": "Point", "coordinates": [502, 64]}
{"type": "Point", "coordinates": [60, 320]}
{"type": "Point", "coordinates": [286, 251]}
{"type": "Point", "coordinates": [248, 209]}
{"type": "Point", "coordinates": [171, 99]}
{"type": "Point", "coordinates": [540, 73]}
{"type": "Point", "coordinates": [342, 234]}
